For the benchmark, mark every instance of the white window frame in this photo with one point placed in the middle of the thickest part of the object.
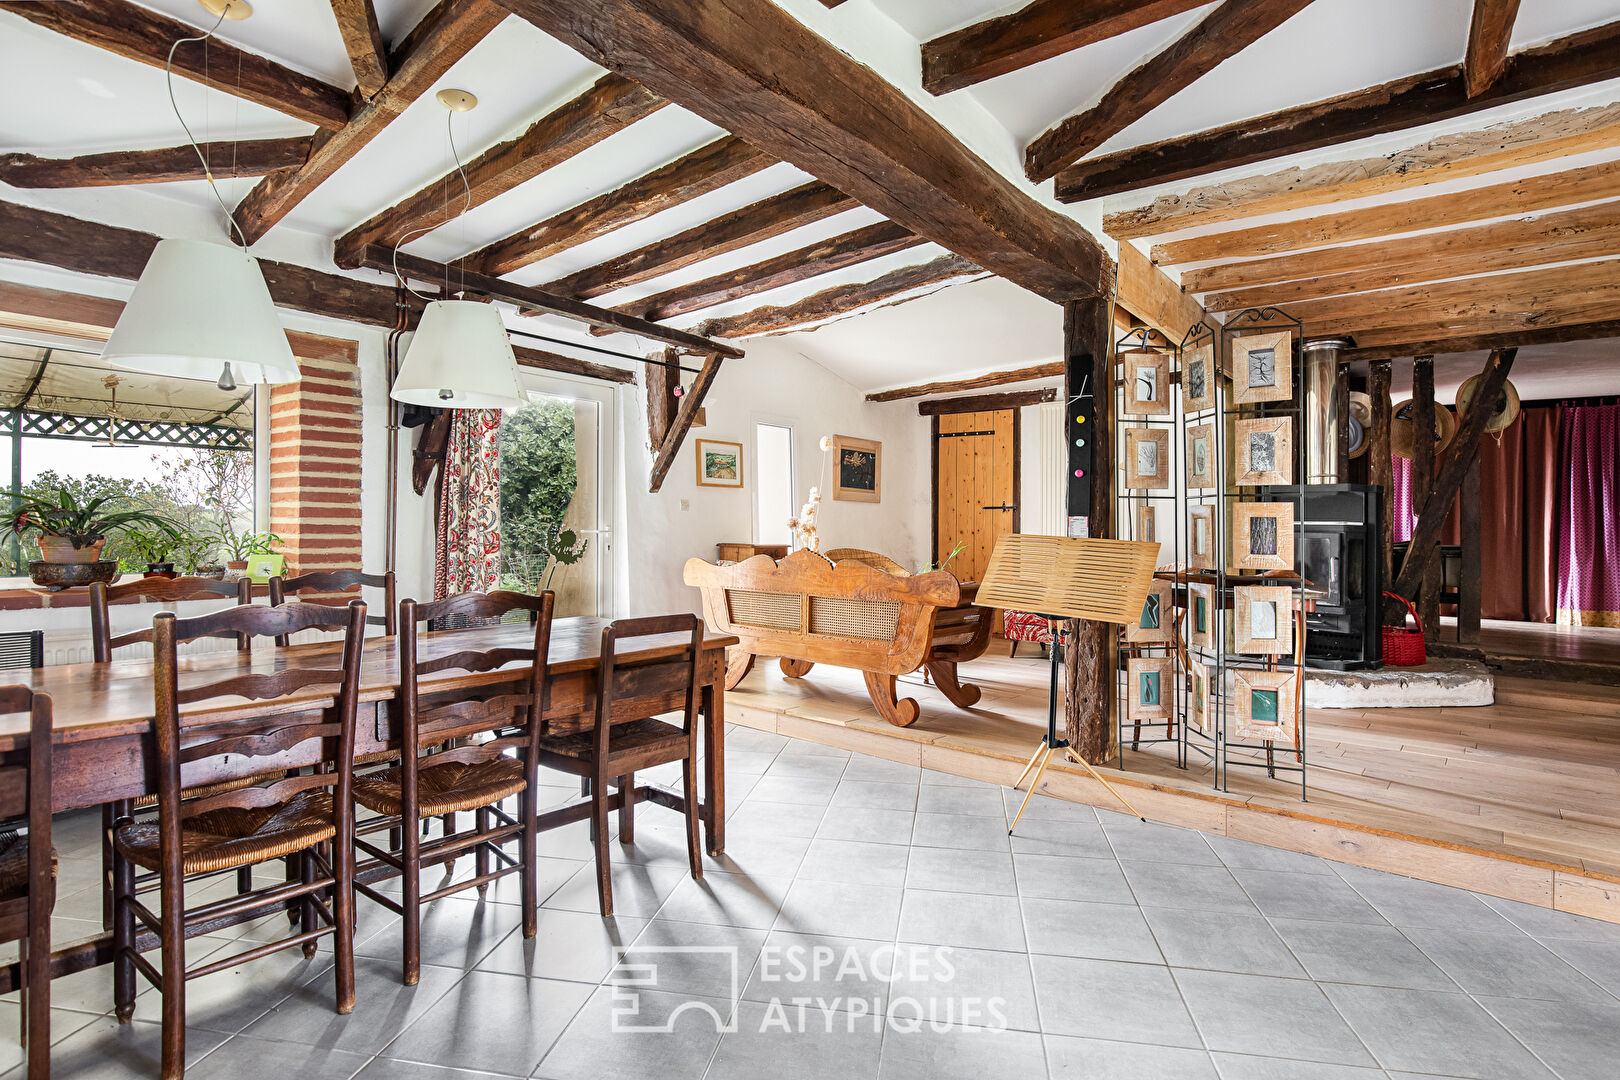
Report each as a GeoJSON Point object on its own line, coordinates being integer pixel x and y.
{"type": "Point", "coordinates": [752, 458]}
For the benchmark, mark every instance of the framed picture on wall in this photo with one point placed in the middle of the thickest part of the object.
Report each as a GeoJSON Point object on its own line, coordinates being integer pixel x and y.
{"type": "Point", "coordinates": [1150, 688]}
{"type": "Point", "coordinates": [1198, 378]}
{"type": "Point", "coordinates": [1263, 536]}
{"type": "Point", "coordinates": [1201, 456]}
{"type": "Point", "coordinates": [1262, 622]}
{"type": "Point", "coordinates": [1262, 368]}
{"type": "Point", "coordinates": [1201, 537]}
{"type": "Point", "coordinates": [1266, 706]}
{"type": "Point", "coordinates": [1147, 459]}
{"type": "Point", "coordinates": [1201, 709]}
{"type": "Point", "coordinates": [1152, 627]}
{"type": "Point", "coordinates": [1201, 615]}
{"type": "Point", "coordinates": [1147, 523]}
{"type": "Point", "coordinates": [1147, 384]}
{"type": "Point", "coordinates": [857, 469]}
{"type": "Point", "coordinates": [1265, 451]}
{"type": "Point", "coordinates": [719, 463]}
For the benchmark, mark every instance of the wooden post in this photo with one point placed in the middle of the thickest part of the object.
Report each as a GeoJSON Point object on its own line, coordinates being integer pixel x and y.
{"type": "Point", "coordinates": [1341, 425]}
{"type": "Point", "coordinates": [1428, 601]}
{"type": "Point", "coordinates": [1471, 591]}
{"type": "Point", "coordinates": [662, 379]}
{"type": "Point", "coordinates": [1089, 661]}
{"type": "Point", "coordinates": [1380, 469]}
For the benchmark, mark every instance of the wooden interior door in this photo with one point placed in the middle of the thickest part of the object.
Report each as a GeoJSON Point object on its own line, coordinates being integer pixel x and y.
{"type": "Point", "coordinates": [976, 495]}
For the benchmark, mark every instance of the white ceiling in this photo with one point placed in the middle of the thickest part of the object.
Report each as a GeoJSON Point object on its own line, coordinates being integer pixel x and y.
{"type": "Point", "coordinates": [1574, 369]}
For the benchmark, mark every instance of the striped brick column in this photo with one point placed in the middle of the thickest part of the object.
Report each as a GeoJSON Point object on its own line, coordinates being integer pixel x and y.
{"type": "Point", "coordinates": [315, 438]}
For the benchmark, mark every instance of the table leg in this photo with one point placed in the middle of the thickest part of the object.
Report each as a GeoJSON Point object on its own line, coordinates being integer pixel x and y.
{"type": "Point", "coordinates": [714, 767]}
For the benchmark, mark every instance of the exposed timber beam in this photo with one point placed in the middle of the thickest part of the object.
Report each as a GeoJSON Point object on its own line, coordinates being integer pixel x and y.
{"type": "Point", "coordinates": [1545, 192]}
{"type": "Point", "coordinates": [850, 249]}
{"type": "Point", "coordinates": [753, 69]}
{"type": "Point", "coordinates": [705, 169]}
{"type": "Point", "coordinates": [444, 36]}
{"type": "Point", "coordinates": [839, 300]}
{"type": "Point", "coordinates": [1588, 331]}
{"type": "Point", "coordinates": [977, 382]}
{"type": "Point", "coordinates": [145, 36]}
{"type": "Point", "coordinates": [1563, 236]}
{"type": "Point", "coordinates": [538, 301]}
{"type": "Point", "coordinates": [363, 40]}
{"type": "Point", "coordinates": [610, 105]}
{"type": "Point", "coordinates": [1015, 399]}
{"type": "Point", "coordinates": [1577, 60]}
{"type": "Point", "coordinates": [691, 402]}
{"type": "Point", "coordinates": [550, 361]}
{"type": "Point", "coordinates": [86, 247]}
{"type": "Point", "coordinates": [752, 223]}
{"type": "Point", "coordinates": [1488, 32]}
{"type": "Point", "coordinates": [1220, 35]}
{"type": "Point", "coordinates": [255, 157]}
{"type": "Point", "coordinates": [1039, 31]}
{"type": "Point", "coordinates": [1546, 137]}
{"type": "Point", "coordinates": [1147, 292]}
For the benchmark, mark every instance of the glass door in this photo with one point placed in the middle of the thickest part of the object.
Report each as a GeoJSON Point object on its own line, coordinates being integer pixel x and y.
{"type": "Point", "coordinates": [557, 494]}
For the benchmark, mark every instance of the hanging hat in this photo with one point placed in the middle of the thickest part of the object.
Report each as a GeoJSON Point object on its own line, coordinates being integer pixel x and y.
{"type": "Point", "coordinates": [1359, 420]}
{"type": "Point", "coordinates": [1400, 429]}
{"type": "Point", "coordinates": [1507, 404]}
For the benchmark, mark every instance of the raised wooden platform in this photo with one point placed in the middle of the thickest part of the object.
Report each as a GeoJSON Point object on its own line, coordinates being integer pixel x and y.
{"type": "Point", "coordinates": [1520, 799]}
{"type": "Point", "coordinates": [1540, 651]}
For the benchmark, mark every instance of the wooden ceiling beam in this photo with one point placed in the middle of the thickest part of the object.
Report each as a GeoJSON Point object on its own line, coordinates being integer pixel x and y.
{"type": "Point", "coordinates": [1015, 399]}
{"type": "Point", "coordinates": [1039, 31]}
{"type": "Point", "coordinates": [571, 365]}
{"type": "Point", "coordinates": [1577, 60]}
{"type": "Point", "coordinates": [255, 157]}
{"type": "Point", "coordinates": [839, 300]}
{"type": "Point", "coordinates": [1220, 35]}
{"type": "Point", "coordinates": [610, 105]}
{"type": "Point", "coordinates": [1147, 293]}
{"type": "Point", "coordinates": [753, 69]}
{"type": "Point", "coordinates": [1533, 193]}
{"type": "Point", "coordinates": [363, 40]}
{"type": "Point", "coordinates": [1596, 306]}
{"type": "Point", "coordinates": [708, 168]}
{"type": "Point", "coordinates": [1489, 31]}
{"type": "Point", "coordinates": [444, 36]}
{"type": "Point", "coordinates": [1546, 335]}
{"type": "Point", "coordinates": [758, 221]}
{"type": "Point", "coordinates": [145, 36]}
{"type": "Point", "coordinates": [977, 382]}
{"type": "Point", "coordinates": [86, 247]}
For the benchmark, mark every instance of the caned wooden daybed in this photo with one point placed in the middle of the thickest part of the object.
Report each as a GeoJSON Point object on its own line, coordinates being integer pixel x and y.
{"type": "Point", "coordinates": [808, 610]}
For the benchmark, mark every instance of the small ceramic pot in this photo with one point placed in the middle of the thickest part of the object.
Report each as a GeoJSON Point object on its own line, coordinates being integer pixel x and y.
{"type": "Point", "coordinates": [59, 549]}
{"type": "Point", "coordinates": [160, 569]}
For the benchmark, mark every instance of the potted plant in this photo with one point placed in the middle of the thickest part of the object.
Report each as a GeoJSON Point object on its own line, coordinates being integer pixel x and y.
{"type": "Point", "coordinates": [156, 547]}
{"type": "Point", "coordinates": [239, 547]}
{"type": "Point", "coordinates": [193, 553]}
{"type": "Point", "coordinates": [71, 535]}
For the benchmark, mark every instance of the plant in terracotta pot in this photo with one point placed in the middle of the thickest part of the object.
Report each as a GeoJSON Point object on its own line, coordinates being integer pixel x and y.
{"type": "Point", "coordinates": [239, 547]}
{"type": "Point", "coordinates": [71, 534]}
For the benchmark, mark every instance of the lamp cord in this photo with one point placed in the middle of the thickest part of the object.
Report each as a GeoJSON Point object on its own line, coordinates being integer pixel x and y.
{"type": "Point", "coordinates": [208, 173]}
{"type": "Point", "coordinates": [450, 133]}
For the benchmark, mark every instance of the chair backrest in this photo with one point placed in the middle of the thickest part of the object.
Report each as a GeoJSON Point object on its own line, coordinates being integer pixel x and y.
{"type": "Point", "coordinates": [336, 581]}
{"type": "Point", "coordinates": [22, 649]}
{"type": "Point", "coordinates": [25, 792]}
{"type": "Point", "coordinates": [639, 688]}
{"type": "Point", "coordinates": [503, 708]}
{"type": "Point", "coordinates": [213, 750]}
{"type": "Point", "coordinates": [156, 590]}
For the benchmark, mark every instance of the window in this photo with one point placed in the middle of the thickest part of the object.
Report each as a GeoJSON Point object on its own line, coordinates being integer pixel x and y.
{"type": "Point", "coordinates": [774, 502]}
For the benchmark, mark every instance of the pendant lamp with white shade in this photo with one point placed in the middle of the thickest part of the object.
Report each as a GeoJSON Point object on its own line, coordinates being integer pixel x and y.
{"type": "Point", "coordinates": [460, 358]}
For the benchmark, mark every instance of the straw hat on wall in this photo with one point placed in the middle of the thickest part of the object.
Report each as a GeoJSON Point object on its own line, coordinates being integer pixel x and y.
{"type": "Point", "coordinates": [1400, 429]}
{"type": "Point", "coordinates": [1507, 404]}
{"type": "Point", "coordinates": [1359, 421]}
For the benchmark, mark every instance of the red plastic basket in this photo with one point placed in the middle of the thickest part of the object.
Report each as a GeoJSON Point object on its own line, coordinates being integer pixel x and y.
{"type": "Point", "coordinates": [1403, 647]}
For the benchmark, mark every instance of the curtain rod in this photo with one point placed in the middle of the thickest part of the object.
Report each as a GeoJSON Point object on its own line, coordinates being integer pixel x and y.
{"type": "Point", "coordinates": [592, 348]}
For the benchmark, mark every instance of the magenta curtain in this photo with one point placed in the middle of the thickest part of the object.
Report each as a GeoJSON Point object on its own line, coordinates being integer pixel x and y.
{"type": "Point", "coordinates": [1588, 538]}
{"type": "Point", "coordinates": [1402, 517]}
{"type": "Point", "coordinates": [467, 550]}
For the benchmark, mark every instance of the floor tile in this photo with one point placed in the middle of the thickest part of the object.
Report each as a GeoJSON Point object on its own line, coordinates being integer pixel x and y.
{"type": "Point", "coordinates": [804, 765]}
{"type": "Point", "coordinates": [874, 795]}
{"type": "Point", "coordinates": [1597, 960]}
{"type": "Point", "coordinates": [690, 958]}
{"type": "Point", "coordinates": [1540, 922]}
{"type": "Point", "coordinates": [1107, 1000]}
{"type": "Point", "coordinates": [946, 779]}
{"type": "Point", "coordinates": [948, 870]}
{"type": "Point", "coordinates": [1429, 1032]}
{"type": "Point", "coordinates": [728, 899]}
{"type": "Point", "coordinates": [1218, 941]}
{"type": "Point", "coordinates": [975, 801]}
{"type": "Point", "coordinates": [104, 1049]}
{"type": "Point", "coordinates": [961, 831]}
{"type": "Point", "coordinates": [1200, 888]}
{"type": "Point", "coordinates": [794, 1045]}
{"type": "Point", "coordinates": [1352, 953]}
{"type": "Point", "coordinates": [1578, 1040]}
{"type": "Point", "coordinates": [385, 1069]}
{"type": "Point", "coordinates": [797, 790]}
{"type": "Point", "coordinates": [1056, 836]}
{"type": "Point", "coordinates": [964, 920]}
{"type": "Point", "coordinates": [793, 966]}
{"type": "Point", "coordinates": [865, 767]}
{"type": "Point", "coordinates": [492, 1022]}
{"type": "Point", "coordinates": [638, 891]}
{"type": "Point", "coordinates": [841, 910]}
{"type": "Point", "coordinates": [1132, 838]}
{"type": "Point", "coordinates": [767, 820]}
{"type": "Point", "coordinates": [617, 1035]}
{"type": "Point", "coordinates": [574, 946]}
{"type": "Point", "coordinates": [1247, 1067]}
{"type": "Point", "coordinates": [1410, 903]}
{"type": "Point", "coordinates": [1100, 1059]}
{"type": "Point", "coordinates": [1045, 808]}
{"type": "Point", "coordinates": [1058, 877]}
{"type": "Point", "coordinates": [855, 862]}
{"type": "Point", "coordinates": [383, 1007]}
{"type": "Point", "coordinates": [867, 825]}
{"type": "Point", "coordinates": [1287, 895]}
{"type": "Point", "coordinates": [1243, 855]}
{"type": "Point", "coordinates": [1254, 1014]}
{"type": "Point", "coordinates": [973, 987]}
{"type": "Point", "coordinates": [1502, 966]}
{"type": "Point", "coordinates": [929, 1054]}
{"type": "Point", "coordinates": [242, 1058]}
{"type": "Point", "coordinates": [1098, 931]}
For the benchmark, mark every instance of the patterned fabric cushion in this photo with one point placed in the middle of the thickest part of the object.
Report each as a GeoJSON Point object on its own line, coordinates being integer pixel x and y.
{"type": "Point", "coordinates": [1024, 626]}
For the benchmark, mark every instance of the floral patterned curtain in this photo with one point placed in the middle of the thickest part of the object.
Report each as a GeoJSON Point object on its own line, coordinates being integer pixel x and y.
{"type": "Point", "coordinates": [468, 538]}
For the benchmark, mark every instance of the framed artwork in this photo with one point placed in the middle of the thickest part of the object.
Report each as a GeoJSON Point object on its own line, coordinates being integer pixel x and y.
{"type": "Point", "coordinates": [1201, 537]}
{"type": "Point", "coordinates": [1147, 459]}
{"type": "Point", "coordinates": [857, 469]}
{"type": "Point", "coordinates": [1265, 451]}
{"type": "Point", "coordinates": [1201, 615]}
{"type": "Point", "coordinates": [1147, 523]}
{"type": "Point", "coordinates": [1201, 456]}
{"type": "Point", "coordinates": [1150, 688]}
{"type": "Point", "coordinates": [261, 568]}
{"type": "Point", "coordinates": [1147, 384]}
{"type": "Point", "coordinates": [1266, 706]}
{"type": "Point", "coordinates": [1153, 626]}
{"type": "Point", "coordinates": [1263, 620]}
{"type": "Point", "coordinates": [1198, 378]}
{"type": "Point", "coordinates": [719, 463]}
{"type": "Point", "coordinates": [1263, 536]}
{"type": "Point", "coordinates": [1263, 368]}
{"type": "Point", "coordinates": [1201, 708]}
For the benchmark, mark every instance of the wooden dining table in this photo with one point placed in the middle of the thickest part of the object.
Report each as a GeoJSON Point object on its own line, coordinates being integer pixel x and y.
{"type": "Point", "coordinates": [103, 748]}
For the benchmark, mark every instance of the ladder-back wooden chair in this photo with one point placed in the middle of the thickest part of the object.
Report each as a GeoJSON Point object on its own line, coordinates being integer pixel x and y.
{"type": "Point", "coordinates": [624, 740]}
{"type": "Point", "coordinates": [337, 581]}
{"type": "Point", "coordinates": [28, 867]}
{"type": "Point", "coordinates": [308, 818]}
{"type": "Point", "coordinates": [454, 757]}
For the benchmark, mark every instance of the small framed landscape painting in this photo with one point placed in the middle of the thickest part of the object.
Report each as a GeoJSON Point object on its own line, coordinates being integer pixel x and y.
{"type": "Point", "coordinates": [857, 469]}
{"type": "Point", "coordinates": [1265, 451]}
{"type": "Point", "coordinates": [1201, 706]}
{"type": "Point", "coordinates": [1198, 379]}
{"type": "Point", "coordinates": [1262, 623]}
{"type": "Point", "coordinates": [1201, 456]}
{"type": "Point", "coordinates": [1263, 536]}
{"type": "Point", "coordinates": [1201, 537]}
{"type": "Point", "coordinates": [1201, 615]}
{"type": "Point", "coordinates": [1265, 706]}
{"type": "Point", "coordinates": [1262, 368]}
{"type": "Point", "coordinates": [719, 464]}
{"type": "Point", "coordinates": [1147, 384]}
{"type": "Point", "coordinates": [1150, 688]}
{"type": "Point", "coordinates": [1147, 459]}
{"type": "Point", "coordinates": [1152, 627]}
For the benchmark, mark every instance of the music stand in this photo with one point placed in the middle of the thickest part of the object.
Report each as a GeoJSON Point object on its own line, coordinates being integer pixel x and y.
{"type": "Point", "coordinates": [1058, 578]}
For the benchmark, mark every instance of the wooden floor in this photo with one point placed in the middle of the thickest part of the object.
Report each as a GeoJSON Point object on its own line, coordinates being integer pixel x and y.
{"type": "Point", "coordinates": [1519, 800]}
{"type": "Point", "coordinates": [1520, 649]}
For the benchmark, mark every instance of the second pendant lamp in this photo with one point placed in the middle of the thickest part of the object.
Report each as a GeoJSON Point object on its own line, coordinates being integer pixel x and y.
{"type": "Point", "coordinates": [460, 358]}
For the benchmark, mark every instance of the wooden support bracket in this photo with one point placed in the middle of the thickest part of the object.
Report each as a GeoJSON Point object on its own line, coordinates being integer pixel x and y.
{"type": "Point", "coordinates": [684, 416]}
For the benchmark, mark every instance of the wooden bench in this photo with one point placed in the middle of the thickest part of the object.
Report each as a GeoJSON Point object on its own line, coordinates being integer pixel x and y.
{"type": "Point", "coordinates": [807, 610]}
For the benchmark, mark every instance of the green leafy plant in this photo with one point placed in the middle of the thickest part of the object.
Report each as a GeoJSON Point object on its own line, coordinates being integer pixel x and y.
{"type": "Point", "coordinates": [150, 547]}
{"type": "Point", "coordinates": [945, 562]}
{"type": "Point", "coordinates": [238, 547]}
{"type": "Point", "coordinates": [62, 514]}
{"type": "Point", "coordinates": [550, 545]}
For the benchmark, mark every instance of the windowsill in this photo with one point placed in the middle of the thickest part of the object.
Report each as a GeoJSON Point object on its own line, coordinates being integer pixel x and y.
{"type": "Point", "coordinates": [21, 594]}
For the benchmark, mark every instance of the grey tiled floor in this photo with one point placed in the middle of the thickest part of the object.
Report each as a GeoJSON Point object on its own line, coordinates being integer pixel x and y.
{"type": "Point", "coordinates": [883, 924]}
